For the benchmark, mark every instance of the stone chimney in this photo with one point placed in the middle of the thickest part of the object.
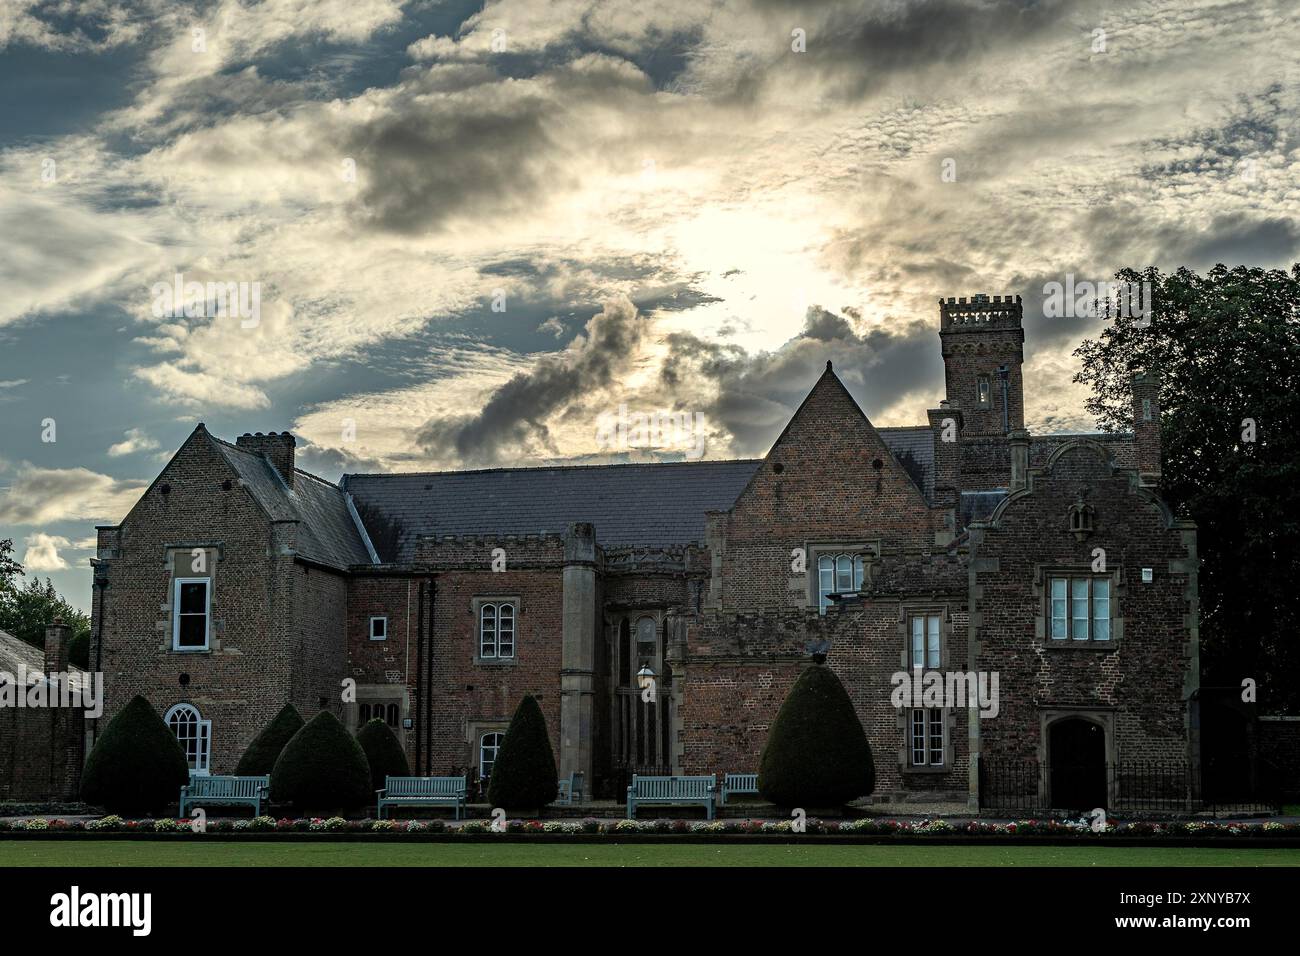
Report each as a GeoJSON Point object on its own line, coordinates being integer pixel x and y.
{"type": "Point", "coordinates": [1146, 426]}
{"type": "Point", "coordinates": [56, 647]}
{"type": "Point", "coordinates": [278, 449]}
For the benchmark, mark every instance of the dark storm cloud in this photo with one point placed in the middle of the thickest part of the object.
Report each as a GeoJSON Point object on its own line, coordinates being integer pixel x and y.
{"type": "Point", "coordinates": [857, 47]}
{"type": "Point", "coordinates": [757, 393]}
{"type": "Point", "coordinates": [517, 412]}
{"type": "Point", "coordinates": [490, 150]}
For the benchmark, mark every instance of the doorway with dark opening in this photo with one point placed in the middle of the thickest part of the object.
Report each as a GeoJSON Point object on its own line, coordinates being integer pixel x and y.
{"type": "Point", "coordinates": [1077, 758]}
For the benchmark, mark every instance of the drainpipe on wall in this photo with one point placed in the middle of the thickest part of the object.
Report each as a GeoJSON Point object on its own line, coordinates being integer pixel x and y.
{"type": "Point", "coordinates": [419, 660]}
{"type": "Point", "coordinates": [1006, 412]}
{"type": "Point", "coordinates": [428, 678]}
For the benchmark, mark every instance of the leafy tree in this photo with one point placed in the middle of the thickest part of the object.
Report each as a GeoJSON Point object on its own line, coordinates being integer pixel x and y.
{"type": "Point", "coordinates": [383, 752]}
{"type": "Point", "coordinates": [137, 765]}
{"type": "Point", "coordinates": [524, 776]}
{"type": "Point", "coordinates": [1226, 347]}
{"type": "Point", "coordinates": [260, 757]}
{"type": "Point", "coordinates": [322, 768]}
{"type": "Point", "coordinates": [27, 612]}
{"type": "Point", "coordinates": [817, 754]}
{"type": "Point", "coordinates": [10, 569]}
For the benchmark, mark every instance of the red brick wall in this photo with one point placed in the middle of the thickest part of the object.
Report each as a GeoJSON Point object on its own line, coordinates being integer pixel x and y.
{"type": "Point", "coordinates": [1144, 675]}
{"type": "Point", "coordinates": [246, 677]}
{"type": "Point", "coordinates": [827, 489]}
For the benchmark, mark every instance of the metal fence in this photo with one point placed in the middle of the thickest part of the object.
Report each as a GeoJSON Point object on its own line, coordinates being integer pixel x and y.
{"type": "Point", "coordinates": [1147, 786]}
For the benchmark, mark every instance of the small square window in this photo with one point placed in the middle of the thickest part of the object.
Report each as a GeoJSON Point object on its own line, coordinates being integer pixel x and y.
{"type": "Point", "coordinates": [379, 628]}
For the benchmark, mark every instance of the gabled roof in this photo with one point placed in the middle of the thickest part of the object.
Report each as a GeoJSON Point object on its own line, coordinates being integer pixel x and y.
{"type": "Point", "coordinates": [1121, 445]}
{"type": "Point", "coordinates": [326, 532]}
{"type": "Point", "coordinates": [656, 504]}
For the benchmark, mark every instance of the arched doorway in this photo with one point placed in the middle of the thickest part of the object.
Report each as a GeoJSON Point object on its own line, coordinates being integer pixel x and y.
{"type": "Point", "coordinates": [1077, 758]}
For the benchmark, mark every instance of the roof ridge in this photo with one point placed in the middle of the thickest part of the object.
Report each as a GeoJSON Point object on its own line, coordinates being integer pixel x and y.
{"type": "Point", "coordinates": [518, 468]}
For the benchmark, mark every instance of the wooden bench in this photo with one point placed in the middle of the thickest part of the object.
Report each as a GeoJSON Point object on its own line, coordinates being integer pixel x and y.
{"type": "Point", "coordinates": [247, 791]}
{"type": "Point", "coordinates": [663, 791]}
{"type": "Point", "coordinates": [570, 790]}
{"type": "Point", "coordinates": [736, 783]}
{"type": "Point", "coordinates": [422, 792]}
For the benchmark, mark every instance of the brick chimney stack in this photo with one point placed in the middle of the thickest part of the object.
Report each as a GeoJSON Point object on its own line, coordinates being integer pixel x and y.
{"type": "Point", "coordinates": [946, 424]}
{"type": "Point", "coordinates": [56, 647]}
{"type": "Point", "coordinates": [278, 449]}
{"type": "Point", "coordinates": [1146, 426]}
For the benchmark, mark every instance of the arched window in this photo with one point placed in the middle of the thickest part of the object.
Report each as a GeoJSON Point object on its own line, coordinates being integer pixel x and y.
{"type": "Point", "coordinates": [497, 631]}
{"type": "Point", "coordinates": [489, 745]}
{"type": "Point", "coordinates": [838, 574]}
{"type": "Point", "coordinates": [647, 644]}
{"type": "Point", "coordinates": [193, 733]}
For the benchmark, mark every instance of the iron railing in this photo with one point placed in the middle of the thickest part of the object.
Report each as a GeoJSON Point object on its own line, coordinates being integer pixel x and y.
{"type": "Point", "coordinates": [1147, 786]}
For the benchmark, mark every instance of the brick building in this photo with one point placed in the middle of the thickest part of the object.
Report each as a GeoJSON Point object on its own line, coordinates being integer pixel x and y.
{"type": "Point", "coordinates": [962, 545]}
{"type": "Point", "coordinates": [42, 748]}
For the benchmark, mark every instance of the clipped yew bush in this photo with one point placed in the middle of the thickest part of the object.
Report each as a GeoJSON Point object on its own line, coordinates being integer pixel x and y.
{"type": "Point", "coordinates": [817, 754]}
{"type": "Point", "coordinates": [260, 757]}
{"type": "Point", "coordinates": [524, 777]}
{"type": "Point", "coordinates": [137, 767]}
{"type": "Point", "coordinates": [383, 752]}
{"type": "Point", "coordinates": [322, 769]}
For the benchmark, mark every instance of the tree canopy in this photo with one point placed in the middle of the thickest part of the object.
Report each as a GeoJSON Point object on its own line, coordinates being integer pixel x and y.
{"type": "Point", "coordinates": [1226, 348]}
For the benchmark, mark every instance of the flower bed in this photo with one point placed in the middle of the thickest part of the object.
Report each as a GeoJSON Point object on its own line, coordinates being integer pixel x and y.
{"type": "Point", "coordinates": [866, 830]}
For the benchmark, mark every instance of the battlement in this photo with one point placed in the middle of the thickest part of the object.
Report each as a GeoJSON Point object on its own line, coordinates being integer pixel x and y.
{"type": "Point", "coordinates": [980, 312]}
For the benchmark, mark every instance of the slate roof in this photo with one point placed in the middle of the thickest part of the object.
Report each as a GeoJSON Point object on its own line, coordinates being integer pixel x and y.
{"type": "Point", "coordinates": [914, 442]}
{"type": "Point", "coordinates": [16, 654]}
{"type": "Point", "coordinates": [655, 504]}
{"type": "Point", "coordinates": [327, 533]}
{"type": "Point", "coordinates": [651, 504]}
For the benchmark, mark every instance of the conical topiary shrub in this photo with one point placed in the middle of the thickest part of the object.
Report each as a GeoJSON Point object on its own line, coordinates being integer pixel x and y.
{"type": "Point", "coordinates": [137, 766]}
{"type": "Point", "coordinates": [262, 753]}
{"type": "Point", "coordinates": [383, 752]}
{"type": "Point", "coordinates": [523, 777]}
{"type": "Point", "coordinates": [322, 769]}
{"type": "Point", "coordinates": [817, 754]}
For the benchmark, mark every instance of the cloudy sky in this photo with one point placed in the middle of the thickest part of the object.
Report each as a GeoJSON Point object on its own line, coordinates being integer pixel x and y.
{"type": "Point", "coordinates": [476, 229]}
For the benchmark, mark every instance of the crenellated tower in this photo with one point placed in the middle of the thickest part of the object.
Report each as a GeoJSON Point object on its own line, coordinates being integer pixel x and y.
{"type": "Point", "coordinates": [983, 351]}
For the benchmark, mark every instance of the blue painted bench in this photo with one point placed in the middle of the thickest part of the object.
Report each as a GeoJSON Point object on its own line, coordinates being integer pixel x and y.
{"type": "Point", "coordinates": [665, 791]}
{"type": "Point", "coordinates": [570, 791]}
{"type": "Point", "coordinates": [227, 791]}
{"type": "Point", "coordinates": [736, 783]}
{"type": "Point", "coordinates": [422, 792]}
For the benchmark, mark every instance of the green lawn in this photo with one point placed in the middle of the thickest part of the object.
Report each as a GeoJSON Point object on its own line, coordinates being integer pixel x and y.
{"type": "Point", "coordinates": [209, 853]}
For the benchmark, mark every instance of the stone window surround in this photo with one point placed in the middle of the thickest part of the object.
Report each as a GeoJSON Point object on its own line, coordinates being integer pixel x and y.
{"type": "Point", "coordinates": [475, 728]}
{"type": "Point", "coordinates": [905, 764]}
{"type": "Point", "coordinates": [476, 610]}
{"type": "Point", "coordinates": [869, 549]}
{"type": "Point", "coordinates": [168, 607]}
{"type": "Point", "coordinates": [371, 627]}
{"type": "Point", "coordinates": [1043, 598]}
{"type": "Point", "coordinates": [906, 612]}
{"type": "Point", "coordinates": [378, 694]}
